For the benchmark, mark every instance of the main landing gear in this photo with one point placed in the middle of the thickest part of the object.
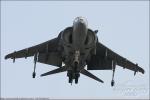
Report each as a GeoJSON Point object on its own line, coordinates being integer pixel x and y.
{"type": "Point", "coordinates": [77, 75]}
{"type": "Point", "coordinates": [72, 76]}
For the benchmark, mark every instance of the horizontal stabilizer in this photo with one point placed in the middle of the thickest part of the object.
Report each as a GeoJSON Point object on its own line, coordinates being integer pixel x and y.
{"type": "Point", "coordinates": [58, 70]}
{"type": "Point", "coordinates": [86, 73]}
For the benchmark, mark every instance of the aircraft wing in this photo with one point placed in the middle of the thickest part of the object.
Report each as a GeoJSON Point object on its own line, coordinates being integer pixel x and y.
{"type": "Point", "coordinates": [31, 51]}
{"type": "Point", "coordinates": [104, 57]}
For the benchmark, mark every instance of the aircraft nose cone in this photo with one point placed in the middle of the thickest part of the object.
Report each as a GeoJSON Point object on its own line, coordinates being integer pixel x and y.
{"type": "Point", "coordinates": [80, 20]}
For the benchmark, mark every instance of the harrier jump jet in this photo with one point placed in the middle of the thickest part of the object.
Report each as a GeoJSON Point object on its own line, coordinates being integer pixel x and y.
{"type": "Point", "coordinates": [75, 48]}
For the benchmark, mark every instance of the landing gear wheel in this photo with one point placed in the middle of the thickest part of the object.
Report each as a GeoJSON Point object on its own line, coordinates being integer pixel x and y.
{"type": "Point", "coordinates": [77, 75]}
{"type": "Point", "coordinates": [112, 83]}
{"type": "Point", "coordinates": [35, 60]}
{"type": "Point", "coordinates": [70, 79]}
{"type": "Point", "coordinates": [76, 80]}
{"type": "Point", "coordinates": [33, 75]}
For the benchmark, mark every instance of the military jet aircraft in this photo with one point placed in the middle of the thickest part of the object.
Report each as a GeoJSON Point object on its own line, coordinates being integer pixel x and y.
{"type": "Point", "coordinates": [75, 48]}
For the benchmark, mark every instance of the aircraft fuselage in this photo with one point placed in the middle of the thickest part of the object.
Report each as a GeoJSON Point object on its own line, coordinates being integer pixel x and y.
{"type": "Point", "coordinates": [78, 48]}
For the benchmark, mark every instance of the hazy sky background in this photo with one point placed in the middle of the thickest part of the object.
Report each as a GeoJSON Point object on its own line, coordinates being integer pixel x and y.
{"type": "Point", "coordinates": [123, 27]}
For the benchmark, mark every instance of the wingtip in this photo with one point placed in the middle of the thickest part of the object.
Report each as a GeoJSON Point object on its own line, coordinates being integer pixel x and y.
{"type": "Point", "coordinates": [140, 69]}
{"type": "Point", "coordinates": [143, 72]}
{"type": "Point", "coordinates": [6, 57]}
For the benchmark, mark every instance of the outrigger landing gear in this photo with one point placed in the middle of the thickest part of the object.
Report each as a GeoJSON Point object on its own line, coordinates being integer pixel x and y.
{"type": "Point", "coordinates": [14, 56]}
{"type": "Point", "coordinates": [33, 75]}
{"type": "Point", "coordinates": [35, 60]}
{"type": "Point", "coordinates": [113, 68]}
{"type": "Point", "coordinates": [112, 83]}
